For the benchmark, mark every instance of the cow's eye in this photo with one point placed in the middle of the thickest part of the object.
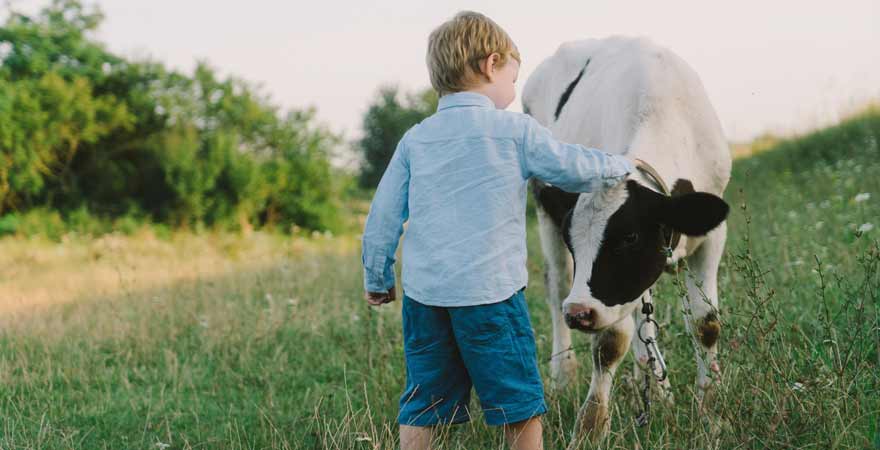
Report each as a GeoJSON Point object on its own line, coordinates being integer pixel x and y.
{"type": "Point", "coordinates": [630, 239]}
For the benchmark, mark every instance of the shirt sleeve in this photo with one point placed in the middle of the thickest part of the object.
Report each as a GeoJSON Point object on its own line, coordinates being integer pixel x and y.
{"type": "Point", "coordinates": [571, 167]}
{"type": "Point", "coordinates": [384, 225]}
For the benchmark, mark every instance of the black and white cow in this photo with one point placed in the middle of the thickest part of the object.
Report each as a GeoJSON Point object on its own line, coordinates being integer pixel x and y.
{"type": "Point", "coordinates": [632, 97]}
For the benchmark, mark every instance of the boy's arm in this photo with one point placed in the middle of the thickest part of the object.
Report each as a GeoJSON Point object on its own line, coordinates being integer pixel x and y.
{"type": "Point", "coordinates": [571, 167]}
{"type": "Point", "coordinates": [384, 226]}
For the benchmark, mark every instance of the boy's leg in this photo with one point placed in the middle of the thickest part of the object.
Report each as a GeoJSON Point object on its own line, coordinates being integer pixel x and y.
{"type": "Point", "coordinates": [525, 435]}
{"type": "Point", "coordinates": [415, 438]}
{"type": "Point", "coordinates": [437, 384]}
{"type": "Point", "coordinates": [497, 345]}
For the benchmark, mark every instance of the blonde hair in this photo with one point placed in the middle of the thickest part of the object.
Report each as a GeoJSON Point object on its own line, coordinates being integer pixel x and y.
{"type": "Point", "coordinates": [456, 48]}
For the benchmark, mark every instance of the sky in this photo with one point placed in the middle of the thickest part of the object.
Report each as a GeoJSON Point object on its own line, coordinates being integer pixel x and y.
{"type": "Point", "coordinates": [775, 66]}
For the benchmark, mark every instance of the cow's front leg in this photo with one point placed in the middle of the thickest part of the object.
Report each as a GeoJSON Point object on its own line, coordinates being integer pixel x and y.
{"type": "Point", "coordinates": [557, 280]}
{"type": "Point", "coordinates": [640, 352]}
{"type": "Point", "coordinates": [701, 307]}
{"type": "Point", "coordinates": [609, 347]}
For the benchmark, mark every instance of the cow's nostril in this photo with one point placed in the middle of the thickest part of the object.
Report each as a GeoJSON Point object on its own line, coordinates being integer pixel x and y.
{"type": "Point", "coordinates": [579, 310]}
{"type": "Point", "coordinates": [579, 316]}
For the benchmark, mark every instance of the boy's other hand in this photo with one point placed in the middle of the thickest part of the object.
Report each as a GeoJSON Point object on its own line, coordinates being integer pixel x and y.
{"type": "Point", "coordinates": [380, 298]}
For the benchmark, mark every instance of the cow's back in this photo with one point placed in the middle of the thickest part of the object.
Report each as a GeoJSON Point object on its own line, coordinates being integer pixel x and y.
{"type": "Point", "coordinates": [630, 96]}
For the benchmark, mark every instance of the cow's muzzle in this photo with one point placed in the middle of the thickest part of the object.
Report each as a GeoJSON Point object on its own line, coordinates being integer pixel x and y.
{"type": "Point", "coordinates": [580, 317]}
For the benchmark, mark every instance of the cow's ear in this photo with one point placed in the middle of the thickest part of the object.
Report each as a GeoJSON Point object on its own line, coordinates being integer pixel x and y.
{"type": "Point", "coordinates": [694, 214]}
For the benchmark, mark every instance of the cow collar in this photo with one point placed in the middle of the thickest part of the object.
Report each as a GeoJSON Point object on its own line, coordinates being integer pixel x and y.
{"type": "Point", "coordinates": [651, 174]}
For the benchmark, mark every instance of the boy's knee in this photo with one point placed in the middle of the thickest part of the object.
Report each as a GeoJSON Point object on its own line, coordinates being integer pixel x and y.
{"type": "Point", "coordinates": [415, 437]}
{"type": "Point", "coordinates": [525, 434]}
{"type": "Point", "coordinates": [522, 423]}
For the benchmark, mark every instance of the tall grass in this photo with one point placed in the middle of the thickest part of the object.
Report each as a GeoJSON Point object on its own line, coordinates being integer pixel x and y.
{"type": "Point", "coordinates": [278, 351]}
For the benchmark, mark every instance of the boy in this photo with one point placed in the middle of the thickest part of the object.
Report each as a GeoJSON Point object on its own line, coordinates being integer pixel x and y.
{"type": "Point", "coordinates": [460, 178]}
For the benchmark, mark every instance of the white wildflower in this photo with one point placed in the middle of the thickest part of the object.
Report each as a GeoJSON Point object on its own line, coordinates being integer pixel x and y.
{"type": "Point", "coordinates": [862, 197]}
{"type": "Point", "coordinates": [355, 317]}
{"type": "Point", "coordinates": [162, 445]}
{"type": "Point", "coordinates": [865, 227]}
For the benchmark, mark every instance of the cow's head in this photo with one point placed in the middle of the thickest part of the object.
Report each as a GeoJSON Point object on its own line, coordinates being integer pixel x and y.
{"type": "Point", "coordinates": [617, 238]}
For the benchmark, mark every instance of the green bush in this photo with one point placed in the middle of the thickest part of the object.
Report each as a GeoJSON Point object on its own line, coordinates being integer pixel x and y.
{"type": "Point", "coordinates": [82, 222]}
{"type": "Point", "coordinates": [9, 224]}
{"type": "Point", "coordinates": [41, 222]}
{"type": "Point", "coordinates": [86, 132]}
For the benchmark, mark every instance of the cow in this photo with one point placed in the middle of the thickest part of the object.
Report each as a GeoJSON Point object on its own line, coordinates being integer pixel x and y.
{"type": "Point", "coordinates": [606, 248]}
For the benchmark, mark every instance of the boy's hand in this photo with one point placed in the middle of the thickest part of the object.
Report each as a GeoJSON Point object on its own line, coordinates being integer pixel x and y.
{"type": "Point", "coordinates": [633, 161]}
{"type": "Point", "coordinates": [380, 298]}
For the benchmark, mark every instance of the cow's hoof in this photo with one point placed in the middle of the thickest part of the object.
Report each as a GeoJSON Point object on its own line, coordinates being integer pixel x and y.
{"type": "Point", "coordinates": [664, 394]}
{"type": "Point", "coordinates": [715, 425]}
{"type": "Point", "coordinates": [707, 383]}
{"type": "Point", "coordinates": [593, 424]}
{"type": "Point", "coordinates": [707, 396]}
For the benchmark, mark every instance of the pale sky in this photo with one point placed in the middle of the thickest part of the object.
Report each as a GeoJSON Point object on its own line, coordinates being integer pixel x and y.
{"type": "Point", "coordinates": [768, 65]}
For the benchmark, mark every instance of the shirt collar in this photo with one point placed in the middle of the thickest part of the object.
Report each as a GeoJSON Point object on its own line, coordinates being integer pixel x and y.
{"type": "Point", "coordinates": [464, 99]}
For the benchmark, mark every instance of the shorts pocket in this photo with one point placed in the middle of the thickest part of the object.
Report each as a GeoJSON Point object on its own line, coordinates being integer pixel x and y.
{"type": "Point", "coordinates": [492, 330]}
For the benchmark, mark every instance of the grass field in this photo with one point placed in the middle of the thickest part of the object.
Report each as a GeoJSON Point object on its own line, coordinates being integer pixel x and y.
{"type": "Point", "coordinates": [227, 342]}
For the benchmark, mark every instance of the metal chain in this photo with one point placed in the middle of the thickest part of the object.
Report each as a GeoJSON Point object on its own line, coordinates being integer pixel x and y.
{"type": "Point", "coordinates": [655, 360]}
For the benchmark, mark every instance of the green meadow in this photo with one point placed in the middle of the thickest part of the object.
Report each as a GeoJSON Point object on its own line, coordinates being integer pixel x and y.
{"type": "Point", "coordinates": [263, 341]}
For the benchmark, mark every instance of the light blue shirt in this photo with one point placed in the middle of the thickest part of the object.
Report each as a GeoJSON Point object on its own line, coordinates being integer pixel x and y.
{"type": "Point", "coordinates": [460, 178]}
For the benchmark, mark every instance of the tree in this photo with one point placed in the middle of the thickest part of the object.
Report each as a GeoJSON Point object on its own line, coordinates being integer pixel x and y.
{"type": "Point", "coordinates": [84, 129]}
{"type": "Point", "coordinates": [385, 122]}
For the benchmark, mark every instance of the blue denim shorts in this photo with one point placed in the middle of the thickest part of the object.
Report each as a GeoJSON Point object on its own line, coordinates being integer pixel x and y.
{"type": "Point", "coordinates": [449, 350]}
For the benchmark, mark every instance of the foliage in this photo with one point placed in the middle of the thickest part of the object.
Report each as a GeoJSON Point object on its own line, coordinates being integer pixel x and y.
{"type": "Point", "coordinates": [84, 129]}
{"type": "Point", "coordinates": [385, 122]}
